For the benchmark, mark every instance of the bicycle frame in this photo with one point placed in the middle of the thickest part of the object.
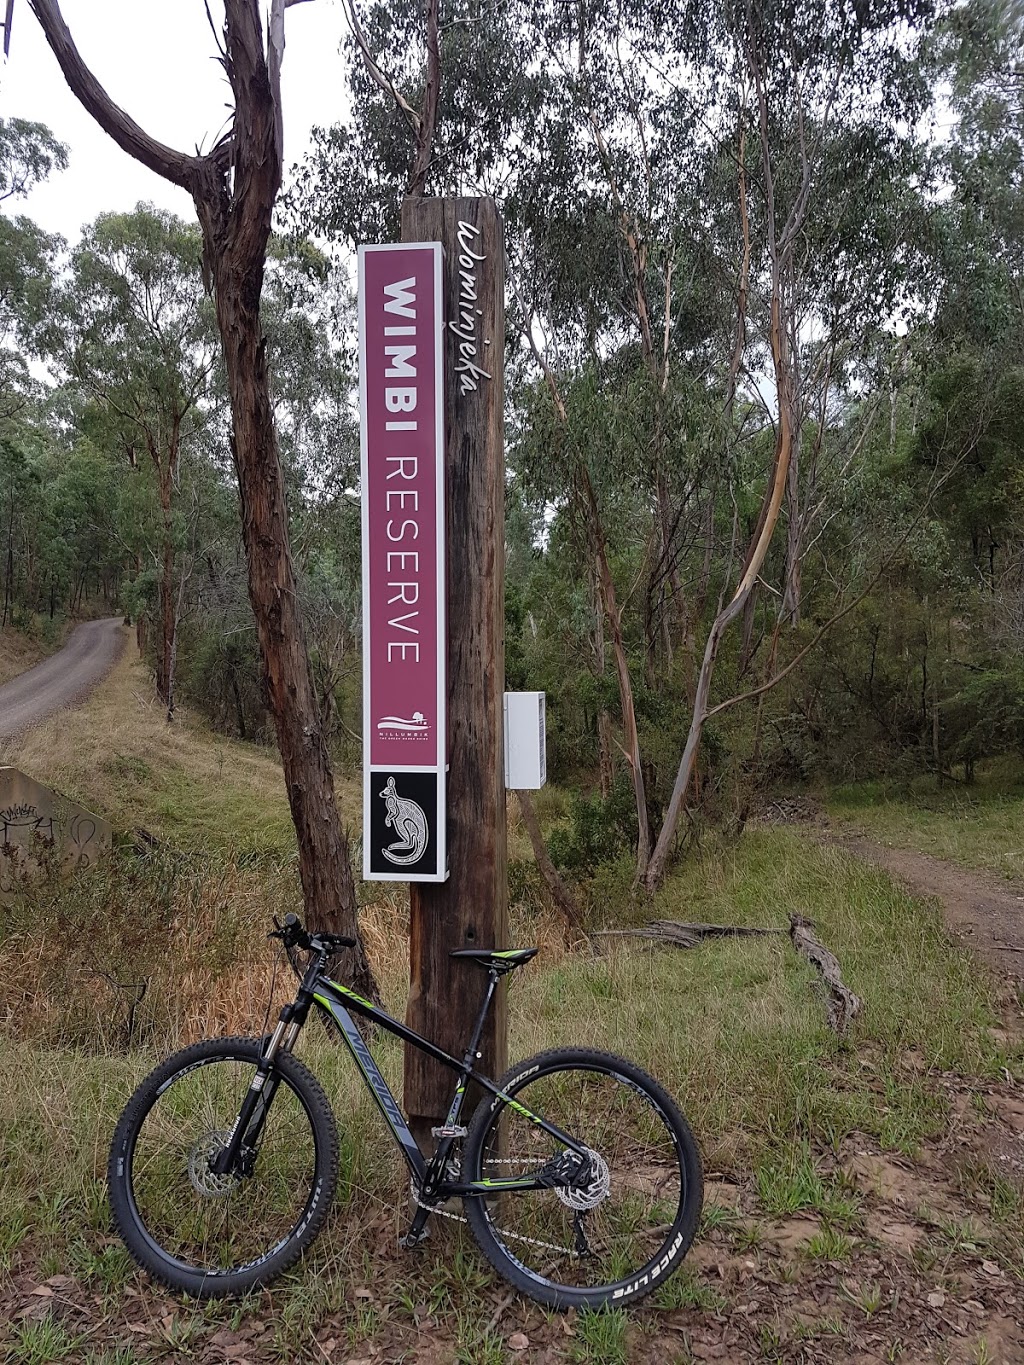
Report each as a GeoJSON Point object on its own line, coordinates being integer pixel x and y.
{"type": "Point", "coordinates": [339, 1002]}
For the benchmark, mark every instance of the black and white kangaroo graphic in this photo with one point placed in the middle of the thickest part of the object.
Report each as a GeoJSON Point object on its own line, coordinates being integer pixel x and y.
{"type": "Point", "coordinates": [408, 821]}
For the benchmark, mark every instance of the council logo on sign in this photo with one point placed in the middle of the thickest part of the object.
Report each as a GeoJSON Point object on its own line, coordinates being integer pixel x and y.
{"type": "Point", "coordinates": [416, 726]}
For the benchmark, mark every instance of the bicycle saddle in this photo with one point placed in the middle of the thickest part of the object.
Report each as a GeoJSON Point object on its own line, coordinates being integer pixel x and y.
{"type": "Point", "coordinates": [494, 959]}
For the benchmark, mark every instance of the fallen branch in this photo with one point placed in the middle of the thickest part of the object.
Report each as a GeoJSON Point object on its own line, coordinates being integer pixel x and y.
{"type": "Point", "coordinates": [843, 1005]}
{"type": "Point", "coordinates": [684, 935]}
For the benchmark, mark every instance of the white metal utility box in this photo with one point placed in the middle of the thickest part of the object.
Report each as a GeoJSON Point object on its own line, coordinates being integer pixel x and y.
{"type": "Point", "coordinates": [526, 766]}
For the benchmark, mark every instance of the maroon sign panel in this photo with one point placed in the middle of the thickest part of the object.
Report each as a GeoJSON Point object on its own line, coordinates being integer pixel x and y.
{"type": "Point", "coordinates": [401, 394]}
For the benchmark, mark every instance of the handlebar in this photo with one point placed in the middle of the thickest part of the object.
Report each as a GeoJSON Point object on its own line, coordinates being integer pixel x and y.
{"type": "Point", "coordinates": [293, 935]}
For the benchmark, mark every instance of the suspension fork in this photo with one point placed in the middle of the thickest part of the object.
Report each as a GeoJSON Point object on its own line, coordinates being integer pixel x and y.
{"type": "Point", "coordinates": [255, 1107]}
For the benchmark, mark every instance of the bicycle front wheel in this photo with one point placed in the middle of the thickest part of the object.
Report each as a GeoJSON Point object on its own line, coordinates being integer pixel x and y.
{"type": "Point", "coordinates": [625, 1232]}
{"type": "Point", "coordinates": [207, 1234]}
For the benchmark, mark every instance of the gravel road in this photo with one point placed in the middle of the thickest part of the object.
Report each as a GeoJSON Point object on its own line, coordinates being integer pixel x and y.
{"type": "Point", "coordinates": [63, 679]}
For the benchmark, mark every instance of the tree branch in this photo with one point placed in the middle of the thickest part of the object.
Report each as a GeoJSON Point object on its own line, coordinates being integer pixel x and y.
{"type": "Point", "coordinates": [377, 75]}
{"type": "Point", "coordinates": [431, 96]}
{"type": "Point", "coordinates": [172, 165]}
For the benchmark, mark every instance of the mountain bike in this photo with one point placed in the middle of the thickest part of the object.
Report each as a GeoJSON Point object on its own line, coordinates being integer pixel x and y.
{"type": "Point", "coordinates": [578, 1175]}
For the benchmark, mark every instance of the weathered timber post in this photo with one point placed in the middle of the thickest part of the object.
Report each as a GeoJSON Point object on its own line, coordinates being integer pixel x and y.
{"type": "Point", "coordinates": [470, 909]}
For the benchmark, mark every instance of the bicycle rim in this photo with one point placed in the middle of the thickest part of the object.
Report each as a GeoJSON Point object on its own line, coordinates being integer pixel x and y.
{"type": "Point", "coordinates": [615, 1238]}
{"type": "Point", "coordinates": [213, 1225]}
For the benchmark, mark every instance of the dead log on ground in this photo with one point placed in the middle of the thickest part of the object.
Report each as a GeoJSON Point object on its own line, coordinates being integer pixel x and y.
{"type": "Point", "coordinates": [843, 1005]}
{"type": "Point", "coordinates": [681, 935]}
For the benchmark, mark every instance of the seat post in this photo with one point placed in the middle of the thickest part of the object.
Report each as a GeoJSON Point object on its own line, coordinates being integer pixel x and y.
{"type": "Point", "coordinates": [478, 1027]}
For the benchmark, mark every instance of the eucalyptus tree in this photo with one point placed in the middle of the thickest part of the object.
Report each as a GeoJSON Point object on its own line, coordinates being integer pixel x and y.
{"type": "Point", "coordinates": [833, 95]}
{"type": "Point", "coordinates": [134, 329]}
{"type": "Point", "coordinates": [28, 154]}
{"type": "Point", "coordinates": [234, 187]}
{"type": "Point", "coordinates": [707, 208]}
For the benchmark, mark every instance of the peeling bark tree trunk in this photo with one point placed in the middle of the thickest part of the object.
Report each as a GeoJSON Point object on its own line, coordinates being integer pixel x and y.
{"type": "Point", "coordinates": [792, 589]}
{"type": "Point", "coordinates": [165, 654]}
{"type": "Point", "coordinates": [324, 866]}
{"type": "Point", "coordinates": [605, 739]}
{"type": "Point", "coordinates": [234, 188]}
{"type": "Point", "coordinates": [560, 893]}
{"type": "Point", "coordinates": [630, 733]}
{"type": "Point", "coordinates": [755, 559]}
{"type": "Point", "coordinates": [781, 245]}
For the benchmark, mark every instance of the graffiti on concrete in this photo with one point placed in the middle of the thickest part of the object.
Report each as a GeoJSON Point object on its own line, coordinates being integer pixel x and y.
{"type": "Point", "coordinates": [37, 824]}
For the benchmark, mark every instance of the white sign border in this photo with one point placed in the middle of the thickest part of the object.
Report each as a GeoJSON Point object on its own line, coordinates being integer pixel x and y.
{"type": "Point", "coordinates": [441, 704]}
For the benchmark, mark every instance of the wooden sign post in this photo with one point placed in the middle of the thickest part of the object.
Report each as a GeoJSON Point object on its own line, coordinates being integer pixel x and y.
{"type": "Point", "coordinates": [470, 908]}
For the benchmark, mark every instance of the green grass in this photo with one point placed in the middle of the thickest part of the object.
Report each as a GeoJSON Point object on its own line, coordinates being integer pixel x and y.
{"type": "Point", "coordinates": [790, 1182]}
{"type": "Point", "coordinates": [735, 1030]}
{"type": "Point", "coordinates": [829, 1245]}
{"type": "Point", "coordinates": [686, 1289]}
{"type": "Point", "coordinates": [40, 1342]}
{"type": "Point", "coordinates": [979, 826]}
{"type": "Point", "coordinates": [737, 1027]}
{"type": "Point", "coordinates": [601, 1338]}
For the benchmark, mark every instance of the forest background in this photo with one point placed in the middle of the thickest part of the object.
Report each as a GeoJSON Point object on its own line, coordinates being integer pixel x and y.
{"type": "Point", "coordinates": [761, 262]}
{"type": "Point", "coordinates": [764, 534]}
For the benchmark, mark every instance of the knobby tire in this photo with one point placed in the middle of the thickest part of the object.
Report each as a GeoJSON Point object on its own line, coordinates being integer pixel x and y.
{"type": "Point", "coordinates": [637, 1231]}
{"type": "Point", "coordinates": [157, 1178]}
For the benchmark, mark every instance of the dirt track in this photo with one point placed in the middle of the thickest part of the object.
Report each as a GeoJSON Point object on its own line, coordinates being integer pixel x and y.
{"type": "Point", "coordinates": [985, 913]}
{"type": "Point", "coordinates": [63, 679]}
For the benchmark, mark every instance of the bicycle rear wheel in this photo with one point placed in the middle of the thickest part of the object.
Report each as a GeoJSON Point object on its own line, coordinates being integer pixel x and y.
{"type": "Point", "coordinates": [212, 1235]}
{"type": "Point", "coordinates": [630, 1228]}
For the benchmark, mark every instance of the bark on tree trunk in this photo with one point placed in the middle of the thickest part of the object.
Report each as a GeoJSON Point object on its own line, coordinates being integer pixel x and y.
{"type": "Point", "coordinates": [630, 733]}
{"type": "Point", "coordinates": [234, 188]}
{"type": "Point", "coordinates": [747, 632]}
{"type": "Point", "coordinates": [9, 577]}
{"type": "Point", "coordinates": [765, 527]}
{"type": "Point", "coordinates": [792, 586]}
{"type": "Point", "coordinates": [560, 893]}
{"type": "Point", "coordinates": [605, 739]}
{"type": "Point", "coordinates": [166, 651]}
{"type": "Point", "coordinates": [324, 866]}
{"type": "Point", "coordinates": [606, 752]}
{"type": "Point", "coordinates": [671, 590]}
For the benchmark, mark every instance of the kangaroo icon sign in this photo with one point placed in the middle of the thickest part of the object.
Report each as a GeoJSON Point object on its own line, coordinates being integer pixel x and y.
{"type": "Point", "coordinates": [401, 397]}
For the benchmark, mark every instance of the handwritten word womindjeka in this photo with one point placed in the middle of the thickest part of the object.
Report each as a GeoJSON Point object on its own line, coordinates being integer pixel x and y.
{"type": "Point", "coordinates": [465, 325]}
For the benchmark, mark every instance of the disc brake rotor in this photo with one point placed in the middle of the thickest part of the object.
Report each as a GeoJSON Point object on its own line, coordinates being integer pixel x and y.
{"type": "Point", "coordinates": [590, 1195]}
{"type": "Point", "coordinates": [206, 1182]}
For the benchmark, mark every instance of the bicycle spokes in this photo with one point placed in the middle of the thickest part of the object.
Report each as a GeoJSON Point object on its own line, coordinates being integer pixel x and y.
{"type": "Point", "coordinates": [210, 1221]}
{"type": "Point", "coordinates": [612, 1218]}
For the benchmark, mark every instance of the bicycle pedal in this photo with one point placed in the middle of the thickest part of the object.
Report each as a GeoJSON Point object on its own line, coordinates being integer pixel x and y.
{"type": "Point", "coordinates": [447, 1131]}
{"type": "Point", "coordinates": [409, 1241]}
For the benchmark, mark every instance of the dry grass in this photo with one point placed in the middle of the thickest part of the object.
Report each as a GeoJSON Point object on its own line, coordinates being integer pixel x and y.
{"type": "Point", "coordinates": [117, 755]}
{"type": "Point", "coordinates": [20, 652]}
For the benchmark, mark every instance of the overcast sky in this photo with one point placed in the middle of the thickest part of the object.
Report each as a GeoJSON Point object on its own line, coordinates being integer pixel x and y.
{"type": "Point", "coordinates": [156, 59]}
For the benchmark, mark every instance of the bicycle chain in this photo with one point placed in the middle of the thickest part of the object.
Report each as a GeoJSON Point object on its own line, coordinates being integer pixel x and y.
{"type": "Point", "coordinates": [514, 1236]}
